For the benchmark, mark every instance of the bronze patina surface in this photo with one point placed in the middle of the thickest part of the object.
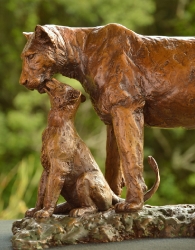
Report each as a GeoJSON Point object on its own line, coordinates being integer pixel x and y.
{"type": "Point", "coordinates": [132, 80]}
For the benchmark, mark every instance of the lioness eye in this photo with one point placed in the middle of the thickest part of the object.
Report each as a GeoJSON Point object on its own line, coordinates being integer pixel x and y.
{"type": "Point", "coordinates": [31, 56]}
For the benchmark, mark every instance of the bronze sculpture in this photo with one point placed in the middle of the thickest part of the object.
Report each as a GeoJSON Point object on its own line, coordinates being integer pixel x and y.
{"type": "Point", "coordinates": [132, 80]}
{"type": "Point", "coordinates": [69, 167]}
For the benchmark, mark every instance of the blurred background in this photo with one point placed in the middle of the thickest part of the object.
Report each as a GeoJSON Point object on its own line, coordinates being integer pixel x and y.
{"type": "Point", "coordinates": [23, 113]}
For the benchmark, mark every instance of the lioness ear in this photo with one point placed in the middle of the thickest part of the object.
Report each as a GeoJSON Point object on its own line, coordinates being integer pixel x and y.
{"type": "Point", "coordinates": [42, 35]}
{"type": "Point", "coordinates": [27, 34]}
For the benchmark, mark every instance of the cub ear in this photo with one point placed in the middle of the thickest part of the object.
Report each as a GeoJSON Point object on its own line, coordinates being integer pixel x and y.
{"type": "Point", "coordinates": [72, 95]}
{"type": "Point", "coordinates": [42, 35]}
{"type": "Point", "coordinates": [83, 98]}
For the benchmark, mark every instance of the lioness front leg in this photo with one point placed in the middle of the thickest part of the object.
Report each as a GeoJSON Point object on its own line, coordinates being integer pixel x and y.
{"type": "Point", "coordinates": [128, 125]}
{"type": "Point", "coordinates": [40, 196]}
{"type": "Point", "coordinates": [113, 170]}
{"type": "Point", "coordinates": [55, 182]}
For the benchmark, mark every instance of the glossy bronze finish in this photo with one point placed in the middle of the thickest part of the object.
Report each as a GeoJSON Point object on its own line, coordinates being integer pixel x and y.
{"type": "Point", "coordinates": [69, 167]}
{"type": "Point", "coordinates": [132, 80]}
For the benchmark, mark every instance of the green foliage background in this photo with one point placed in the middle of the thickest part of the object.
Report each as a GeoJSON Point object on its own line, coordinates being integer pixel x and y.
{"type": "Point", "coordinates": [23, 113]}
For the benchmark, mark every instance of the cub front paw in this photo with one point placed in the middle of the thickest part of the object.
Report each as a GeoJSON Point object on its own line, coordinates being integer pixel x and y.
{"type": "Point", "coordinates": [30, 212]}
{"type": "Point", "coordinates": [42, 214]}
{"type": "Point", "coordinates": [125, 207]}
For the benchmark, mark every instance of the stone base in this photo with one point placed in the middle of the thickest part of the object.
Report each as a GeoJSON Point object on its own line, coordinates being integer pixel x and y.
{"type": "Point", "coordinates": [151, 222]}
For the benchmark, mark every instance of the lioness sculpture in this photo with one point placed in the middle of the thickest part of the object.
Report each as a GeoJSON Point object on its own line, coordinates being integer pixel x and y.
{"type": "Point", "coordinates": [69, 167]}
{"type": "Point", "coordinates": [132, 80]}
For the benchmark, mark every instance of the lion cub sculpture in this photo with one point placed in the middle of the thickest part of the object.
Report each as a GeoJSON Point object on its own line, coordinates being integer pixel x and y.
{"type": "Point", "coordinates": [69, 167]}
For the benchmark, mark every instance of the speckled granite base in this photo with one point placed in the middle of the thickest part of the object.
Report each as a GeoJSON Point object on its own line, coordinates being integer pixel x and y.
{"type": "Point", "coordinates": [151, 222]}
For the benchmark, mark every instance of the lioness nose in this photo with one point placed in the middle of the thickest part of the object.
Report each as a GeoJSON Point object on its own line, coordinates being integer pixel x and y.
{"type": "Point", "coordinates": [22, 80]}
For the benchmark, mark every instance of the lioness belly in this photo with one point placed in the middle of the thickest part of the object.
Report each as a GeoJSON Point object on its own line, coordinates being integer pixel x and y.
{"type": "Point", "coordinates": [171, 113]}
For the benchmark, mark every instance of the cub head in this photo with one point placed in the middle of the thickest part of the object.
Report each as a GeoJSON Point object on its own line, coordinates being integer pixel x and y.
{"type": "Point", "coordinates": [62, 95]}
{"type": "Point", "coordinates": [40, 56]}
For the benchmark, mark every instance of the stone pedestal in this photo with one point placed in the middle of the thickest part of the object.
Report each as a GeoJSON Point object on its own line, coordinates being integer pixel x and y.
{"type": "Point", "coordinates": [151, 222]}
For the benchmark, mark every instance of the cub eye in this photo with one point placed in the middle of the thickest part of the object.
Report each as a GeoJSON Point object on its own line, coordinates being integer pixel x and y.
{"type": "Point", "coordinates": [31, 56]}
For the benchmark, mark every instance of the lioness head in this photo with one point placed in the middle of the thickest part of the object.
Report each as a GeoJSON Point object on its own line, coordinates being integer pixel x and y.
{"type": "Point", "coordinates": [62, 95]}
{"type": "Point", "coordinates": [39, 57]}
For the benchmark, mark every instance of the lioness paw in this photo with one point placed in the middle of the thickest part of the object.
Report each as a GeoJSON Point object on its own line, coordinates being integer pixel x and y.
{"type": "Point", "coordinates": [123, 207]}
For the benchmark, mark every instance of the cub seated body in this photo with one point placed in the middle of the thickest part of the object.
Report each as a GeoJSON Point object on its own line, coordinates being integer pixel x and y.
{"type": "Point", "coordinates": [69, 167]}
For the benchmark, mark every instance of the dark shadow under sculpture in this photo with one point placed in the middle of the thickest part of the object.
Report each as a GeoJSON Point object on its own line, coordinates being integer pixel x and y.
{"type": "Point", "coordinates": [132, 80]}
{"type": "Point", "coordinates": [69, 167]}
